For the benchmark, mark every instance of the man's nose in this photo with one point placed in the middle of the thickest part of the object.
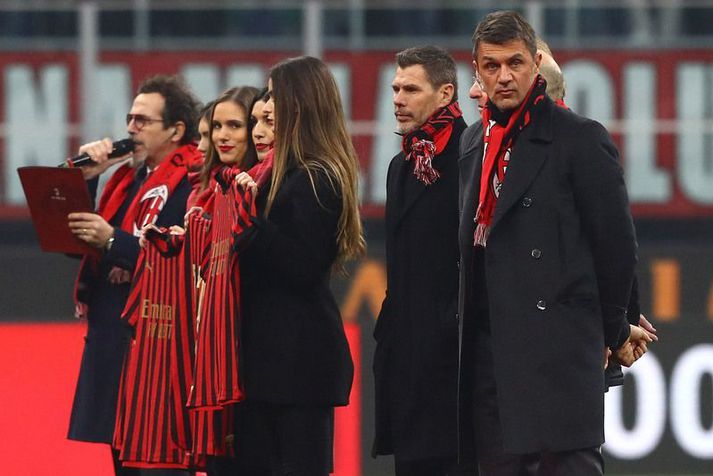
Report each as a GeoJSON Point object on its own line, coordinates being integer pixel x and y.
{"type": "Point", "coordinates": [398, 98]}
{"type": "Point", "coordinates": [505, 75]}
{"type": "Point", "coordinates": [475, 91]}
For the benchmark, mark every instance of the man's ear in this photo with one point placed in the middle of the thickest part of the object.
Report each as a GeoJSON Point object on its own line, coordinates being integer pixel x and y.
{"type": "Point", "coordinates": [446, 93]}
{"type": "Point", "coordinates": [179, 129]}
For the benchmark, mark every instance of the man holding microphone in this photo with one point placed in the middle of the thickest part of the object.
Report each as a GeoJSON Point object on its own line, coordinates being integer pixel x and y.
{"type": "Point", "coordinates": [152, 189]}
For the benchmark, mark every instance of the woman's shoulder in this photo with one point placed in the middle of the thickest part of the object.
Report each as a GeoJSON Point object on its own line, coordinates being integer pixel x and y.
{"type": "Point", "coordinates": [313, 181]}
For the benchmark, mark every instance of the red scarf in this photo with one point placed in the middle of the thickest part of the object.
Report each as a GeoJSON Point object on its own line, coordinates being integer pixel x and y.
{"type": "Point", "coordinates": [143, 209]}
{"type": "Point", "coordinates": [429, 140]}
{"type": "Point", "coordinates": [151, 197]}
{"type": "Point", "coordinates": [498, 142]}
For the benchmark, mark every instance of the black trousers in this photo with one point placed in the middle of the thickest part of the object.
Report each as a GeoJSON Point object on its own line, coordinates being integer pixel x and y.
{"type": "Point", "coordinates": [280, 440]}
{"type": "Point", "coordinates": [432, 467]}
{"type": "Point", "coordinates": [492, 460]}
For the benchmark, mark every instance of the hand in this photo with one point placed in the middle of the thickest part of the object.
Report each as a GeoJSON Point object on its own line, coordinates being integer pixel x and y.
{"type": "Point", "coordinates": [177, 230]}
{"type": "Point", "coordinates": [118, 276]}
{"type": "Point", "coordinates": [90, 228]}
{"type": "Point", "coordinates": [193, 209]}
{"type": "Point", "coordinates": [244, 180]}
{"type": "Point", "coordinates": [634, 348]}
{"type": "Point", "coordinates": [99, 152]}
{"type": "Point", "coordinates": [648, 327]}
{"type": "Point", "coordinates": [142, 239]}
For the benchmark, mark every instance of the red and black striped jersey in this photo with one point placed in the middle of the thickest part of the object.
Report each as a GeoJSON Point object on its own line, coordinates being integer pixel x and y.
{"type": "Point", "coordinates": [216, 372]}
{"type": "Point", "coordinates": [153, 427]}
{"type": "Point", "coordinates": [213, 427]}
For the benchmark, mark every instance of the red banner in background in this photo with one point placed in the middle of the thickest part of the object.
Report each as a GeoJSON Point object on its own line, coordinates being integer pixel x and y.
{"type": "Point", "coordinates": [654, 103]}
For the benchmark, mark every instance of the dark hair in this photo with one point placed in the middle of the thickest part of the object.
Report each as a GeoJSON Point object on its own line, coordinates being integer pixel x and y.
{"type": "Point", "coordinates": [181, 105]}
{"type": "Point", "coordinates": [206, 111]}
{"type": "Point", "coordinates": [502, 27]}
{"type": "Point", "coordinates": [243, 97]}
{"type": "Point", "coordinates": [260, 96]}
{"type": "Point", "coordinates": [438, 63]}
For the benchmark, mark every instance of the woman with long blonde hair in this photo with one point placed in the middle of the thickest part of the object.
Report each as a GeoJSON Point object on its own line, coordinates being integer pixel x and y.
{"type": "Point", "coordinates": [296, 365]}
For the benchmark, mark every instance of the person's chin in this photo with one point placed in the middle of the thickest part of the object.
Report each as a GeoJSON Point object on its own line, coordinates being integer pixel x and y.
{"type": "Point", "coordinates": [228, 160]}
{"type": "Point", "coordinates": [138, 158]}
{"type": "Point", "coordinates": [507, 104]}
{"type": "Point", "coordinates": [405, 127]}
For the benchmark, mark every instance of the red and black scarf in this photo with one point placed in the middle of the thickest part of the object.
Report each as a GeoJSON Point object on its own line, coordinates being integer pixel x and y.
{"type": "Point", "coordinates": [143, 209]}
{"type": "Point", "coordinates": [151, 197]}
{"type": "Point", "coordinates": [429, 140]}
{"type": "Point", "coordinates": [498, 142]}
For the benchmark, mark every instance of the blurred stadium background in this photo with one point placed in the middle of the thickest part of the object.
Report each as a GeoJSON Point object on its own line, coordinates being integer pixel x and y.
{"type": "Point", "coordinates": [644, 68]}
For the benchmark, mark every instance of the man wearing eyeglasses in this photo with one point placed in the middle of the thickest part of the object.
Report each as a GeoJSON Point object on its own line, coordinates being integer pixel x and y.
{"type": "Point", "coordinates": [152, 189]}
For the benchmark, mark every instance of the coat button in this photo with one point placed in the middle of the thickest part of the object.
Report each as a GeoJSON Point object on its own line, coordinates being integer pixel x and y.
{"type": "Point", "coordinates": [526, 202]}
{"type": "Point", "coordinates": [458, 263]}
{"type": "Point", "coordinates": [536, 253]}
{"type": "Point", "coordinates": [541, 305]}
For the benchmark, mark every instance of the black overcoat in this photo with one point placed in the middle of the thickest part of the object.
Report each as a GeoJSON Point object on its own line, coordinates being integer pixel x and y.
{"type": "Point", "coordinates": [416, 360]}
{"type": "Point", "coordinates": [293, 347]}
{"type": "Point", "coordinates": [559, 264]}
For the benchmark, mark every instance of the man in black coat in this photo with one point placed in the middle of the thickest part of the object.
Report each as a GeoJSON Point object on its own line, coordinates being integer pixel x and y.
{"type": "Point", "coordinates": [154, 189]}
{"type": "Point", "coordinates": [416, 360]}
{"type": "Point", "coordinates": [548, 252]}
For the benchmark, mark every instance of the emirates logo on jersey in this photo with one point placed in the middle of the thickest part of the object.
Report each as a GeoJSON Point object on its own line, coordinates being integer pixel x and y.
{"type": "Point", "coordinates": [150, 206]}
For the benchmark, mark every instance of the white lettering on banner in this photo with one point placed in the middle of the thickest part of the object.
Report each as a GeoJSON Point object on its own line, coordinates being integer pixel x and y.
{"type": "Point", "coordinates": [35, 121]}
{"type": "Point", "coordinates": [650, 421]}
{"type": "Point", "coordinates": [645, 182]}
{"type": "Point", "coordinates": [694, 93]}
{"type": "Point", "coordinates": [245, 75]}
{"type": "Point", "coordinates": [113, 102]}
{"type": "Point", "coordinates": [686, 423]}
{"type": "Point", "coordinates": [342, 74]}
{"type": "Point", "coordinates": [204, 80]}
{"type": "Point", "coordinates": [590, 91]}
{"type": "Point", "coordinates": [386, 142]}
{"type": "Point", "coordinates": [37, 98]}
{"type": "Point", "coordinates": [114, 96]}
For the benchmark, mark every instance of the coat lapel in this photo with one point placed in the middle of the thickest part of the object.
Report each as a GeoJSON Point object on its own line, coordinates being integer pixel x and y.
{"type": "Point", "coordinates": [470, 165]}
{"type": "Point", "coordinates": [412, 189]}
{"type": "Point", "coordinates": [528, 155]}
{"type": "Point", "coordinates": [394, 200]}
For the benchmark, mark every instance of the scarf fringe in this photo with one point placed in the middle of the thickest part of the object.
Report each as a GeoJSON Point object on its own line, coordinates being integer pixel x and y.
{"type": "Point", "coordinates": [422, 152]}
{"type": "Point", "coordinates": [482, 231]}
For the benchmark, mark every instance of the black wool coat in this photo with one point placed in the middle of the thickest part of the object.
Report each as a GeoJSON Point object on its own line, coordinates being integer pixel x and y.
{"type": "Point", "coordinates": [559, 265]}
{"type": "Point", "coordinates": [416, 359]}
{"type": "Point", "coordinates": [293, 347]}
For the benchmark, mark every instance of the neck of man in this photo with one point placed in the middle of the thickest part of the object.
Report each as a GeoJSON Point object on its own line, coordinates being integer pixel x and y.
{"type": "Point", "coordinates": [501, 117]}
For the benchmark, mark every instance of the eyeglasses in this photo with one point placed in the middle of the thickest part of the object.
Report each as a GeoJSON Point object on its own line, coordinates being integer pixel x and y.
{"type": "Point", "coordinates": [140, 120]}
{"type": "Point", "coordinates": [476, 80]}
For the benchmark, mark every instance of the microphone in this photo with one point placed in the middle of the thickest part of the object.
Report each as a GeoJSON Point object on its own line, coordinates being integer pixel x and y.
{"type": "Point", "coordinates": [120, 147]}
